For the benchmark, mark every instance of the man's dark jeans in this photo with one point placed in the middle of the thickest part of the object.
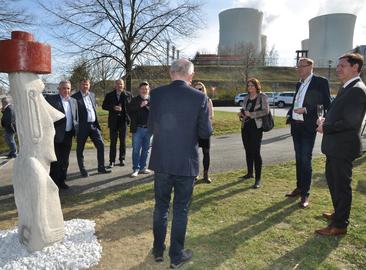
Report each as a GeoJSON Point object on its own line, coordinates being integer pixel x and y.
{"type": "Point", "coordinates": [183, 188]}
{"type": "Point", "coordinates": [303, 144]}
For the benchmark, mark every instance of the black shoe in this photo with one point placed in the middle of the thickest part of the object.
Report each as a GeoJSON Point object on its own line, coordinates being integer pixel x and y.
{"type": "Point", "coordinates": [186, 256]}
{"type": "Point", "coordinates": [63, 186]}
{"type": "Point", "coordinates": [122, 163]}
{"type": "Point", "coordinates": [247, 176]}
{"type": "Point", "coordinates": [11, 156]}
{"type": "Point", "coordinates": [158, 256]}
{"type": "Point", "coordinates": [104, 170]}
{"type": "Point", "coordinates": [257, 184]}
{"type": "Point", "coordinates": [111, 165]}
{"type": "Point", "coordinates": [84, 173]}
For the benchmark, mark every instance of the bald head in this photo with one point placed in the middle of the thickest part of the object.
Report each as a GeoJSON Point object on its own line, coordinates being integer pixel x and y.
{"type": "Point", "coordinates": [182, 69]}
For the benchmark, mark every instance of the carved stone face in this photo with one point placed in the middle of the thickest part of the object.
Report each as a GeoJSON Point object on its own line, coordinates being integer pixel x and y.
{"type": "Point", "coordinates": [36, 131]}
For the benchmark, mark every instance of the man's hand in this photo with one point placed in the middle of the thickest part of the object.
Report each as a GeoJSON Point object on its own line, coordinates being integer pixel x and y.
{"type": "Point", "coordinates": [320, 122]}
{"type": "Point", "coordinates": [247, 114]}
{"type": "Point", "coordinates": [300, 110]}
{"type": "Point", "coordinates": [117, 108]}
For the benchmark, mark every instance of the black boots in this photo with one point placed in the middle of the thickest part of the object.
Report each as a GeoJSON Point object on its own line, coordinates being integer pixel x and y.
{"type": "Point", "coordinates": [206, 178]}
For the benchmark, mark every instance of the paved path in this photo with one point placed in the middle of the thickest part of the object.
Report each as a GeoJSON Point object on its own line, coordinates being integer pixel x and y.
{"type": "Point", "coordinates": [227, 154]}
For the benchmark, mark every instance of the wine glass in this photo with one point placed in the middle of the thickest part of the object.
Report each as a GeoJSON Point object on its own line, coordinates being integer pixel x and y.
{"type": "Point", "coordinates": [320, 110]}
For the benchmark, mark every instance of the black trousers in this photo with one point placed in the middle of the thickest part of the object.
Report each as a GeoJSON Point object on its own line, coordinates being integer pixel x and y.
{"type": "Point", "coordinates": [94, 134]}
{"type": "Point", "coordinates": [338, 172]}
{"type": "Point", "coordinates": [252, 139]}
{"type": "Point", "coordinates": [205, 145]}
{"type": "Point", "coordinates": [115, 133]}
{"type": "Point", "coordinates": [58, 169]}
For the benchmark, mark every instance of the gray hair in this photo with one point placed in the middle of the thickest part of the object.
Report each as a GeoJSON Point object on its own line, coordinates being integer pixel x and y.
{"type": "Point", "coordinates": [64, 82]}
{"type": "Point", "coordinates": [5, 100]}
{"type": "Point", "coordinates": [182, 67]}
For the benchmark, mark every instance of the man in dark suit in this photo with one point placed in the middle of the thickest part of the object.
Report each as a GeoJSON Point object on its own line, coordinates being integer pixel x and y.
{"type": "Point", "coordinates": [311, 92]}
{"type": "Point", "coordinates": [65, 130]}
{"type": "Point", "coordinates": [115, 103]}
{"type": "Point", "coordinates": [341, 141]}
{"type": "Point", "coordinates": [178, 116]}
{"type": "Point", "coordinates": [88, 127]}
{"type": "Point", "coordinates": [8, 123]}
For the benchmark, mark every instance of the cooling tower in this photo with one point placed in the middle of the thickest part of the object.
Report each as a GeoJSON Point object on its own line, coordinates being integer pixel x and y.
{"type": "Point", "coordinates": [240, 26]}
{"type": "Point", "coordinates": [305, 45]}
{"type": "Point", "coordinates": [330, 36]}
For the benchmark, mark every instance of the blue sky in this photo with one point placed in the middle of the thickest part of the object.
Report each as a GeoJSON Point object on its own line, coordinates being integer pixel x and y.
{"type": "Point", "coordinates": [285, 24]}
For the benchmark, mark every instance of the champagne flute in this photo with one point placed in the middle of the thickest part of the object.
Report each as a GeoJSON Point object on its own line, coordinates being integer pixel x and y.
{"type": "Point", "coordinates": [320, 110]}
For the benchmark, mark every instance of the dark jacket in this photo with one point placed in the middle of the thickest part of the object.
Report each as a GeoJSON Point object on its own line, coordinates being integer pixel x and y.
{"type": "Point", "coordinates": [178, 116]}
{"type": "Point", "coordinates": [8, 119]}
{"type": "Point", "coordinates": [316, 94]}
{"type": "Point", "coordinates": [341, 129]}
{"type": "Point", "coordinates": [60, 125]}
{"type": "Point", "coordinates": [133, 111]}
{"type": "Point", "coordinates": [110, 100]}
{"type": "Point", "coordinates": [83, 113]}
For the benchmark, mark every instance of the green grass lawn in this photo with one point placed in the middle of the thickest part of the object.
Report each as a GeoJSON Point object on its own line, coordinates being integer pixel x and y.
{"type": "Point", "coordinates": [228, 122]}
{"type": "Point", "coordinates": [231, 226]}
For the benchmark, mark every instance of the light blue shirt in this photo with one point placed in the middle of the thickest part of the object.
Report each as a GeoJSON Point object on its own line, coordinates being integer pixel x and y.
{"type": "Point", "coordinates": [68, 113]}
{"type": "Point", "coordinates": [89, 107]}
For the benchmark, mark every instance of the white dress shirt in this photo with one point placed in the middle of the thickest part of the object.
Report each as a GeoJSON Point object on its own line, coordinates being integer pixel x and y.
{"type": "Point", "coordinates": [89, 107]}
{"type": "Point", "coordinates": [350, 81]}
{"type": "Point", "coordinates": [299, 98]}
{"type": "Point", "coordinates": [68, 114]}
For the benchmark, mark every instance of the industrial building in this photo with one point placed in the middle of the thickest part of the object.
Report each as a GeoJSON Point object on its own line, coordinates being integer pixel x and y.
{"type": "Point", "coordinates": [330, 36]}
{"type": "Point", "coordinates": [240, 27]}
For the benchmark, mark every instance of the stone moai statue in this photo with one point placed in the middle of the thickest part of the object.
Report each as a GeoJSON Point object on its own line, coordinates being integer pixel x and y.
{"type": "Point", "coordinates": [36, 195]}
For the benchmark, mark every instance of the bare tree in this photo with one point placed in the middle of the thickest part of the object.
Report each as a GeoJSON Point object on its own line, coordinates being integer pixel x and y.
{"type": "Point", "coordinates": [249, 59]}
{"type": "Point", "coordinates": [272, 57]}
{"type": "Point", "coordinates": [127, 32]}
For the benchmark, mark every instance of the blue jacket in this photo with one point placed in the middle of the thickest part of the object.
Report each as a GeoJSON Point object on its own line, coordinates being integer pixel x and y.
{"type": "Point", "coordinates": [178, 116]}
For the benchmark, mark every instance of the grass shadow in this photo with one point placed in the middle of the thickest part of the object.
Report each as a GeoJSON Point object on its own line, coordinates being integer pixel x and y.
{"type": "Point", "coordinates": [307, 256]}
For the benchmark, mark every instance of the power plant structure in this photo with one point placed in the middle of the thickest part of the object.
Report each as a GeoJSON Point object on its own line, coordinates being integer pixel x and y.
{"type": "Point", "coordinates": [240, 27]}
{"type": "Point", "coordinates": [330, 36]}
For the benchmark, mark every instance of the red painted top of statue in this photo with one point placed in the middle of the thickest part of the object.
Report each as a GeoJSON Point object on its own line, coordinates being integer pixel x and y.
{"type": "Point", "coordinates": [23, 53]}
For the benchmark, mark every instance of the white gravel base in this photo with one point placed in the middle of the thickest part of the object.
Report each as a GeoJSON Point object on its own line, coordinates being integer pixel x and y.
{"type": "Point", "coordinates": [80, 249]}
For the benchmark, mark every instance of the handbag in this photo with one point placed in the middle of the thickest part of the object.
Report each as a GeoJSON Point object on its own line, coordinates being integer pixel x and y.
{"type": "Point", "coordinates": [267, 121]}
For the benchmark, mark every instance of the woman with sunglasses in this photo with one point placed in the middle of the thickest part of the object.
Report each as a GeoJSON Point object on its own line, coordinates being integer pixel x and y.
{"type": "Point", "coordinates": [255, 106]}
{"type": "Point", "coordinates": [205, 143]}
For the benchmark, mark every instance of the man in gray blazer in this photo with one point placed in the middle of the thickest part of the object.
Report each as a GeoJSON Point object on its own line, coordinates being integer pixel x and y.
{"type": "Point", "coordinates": [178, 117]}
{"type": "Point", "coordinates": [65, 129]}
{"type": "Point", "coordinates": [341, 141]}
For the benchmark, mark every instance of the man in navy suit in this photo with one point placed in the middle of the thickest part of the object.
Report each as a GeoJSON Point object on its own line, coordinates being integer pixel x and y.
{"type": "Point", "coordinates": [88, 127]}
{"type": "Point", "coordinates": [65, 130]}
{"type": "Point", "coordinates": [341, 141]}
{"type": "Point", "coordinates": [311, 92]}
{"type": "Point", "coordinates": [8, 123]}
{"type": "Point", "coordinates": [178, 117]}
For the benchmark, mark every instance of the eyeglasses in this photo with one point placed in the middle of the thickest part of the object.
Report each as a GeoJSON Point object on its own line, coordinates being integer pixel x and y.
{"type": "Point", "coordinates": [250, 85]}
{"type": "Point", "coordinates": [297, 67]}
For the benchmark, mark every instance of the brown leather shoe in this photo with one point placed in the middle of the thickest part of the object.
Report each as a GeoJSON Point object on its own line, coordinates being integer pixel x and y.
{"type": "Point", "coordinates": [327, 216]}
{"type": "Point", "coordinates": [304, 202]}
{"type": "Point", "coordinates": [331, 231]}
{"type": "Point", "coordinates": [294, 193]}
